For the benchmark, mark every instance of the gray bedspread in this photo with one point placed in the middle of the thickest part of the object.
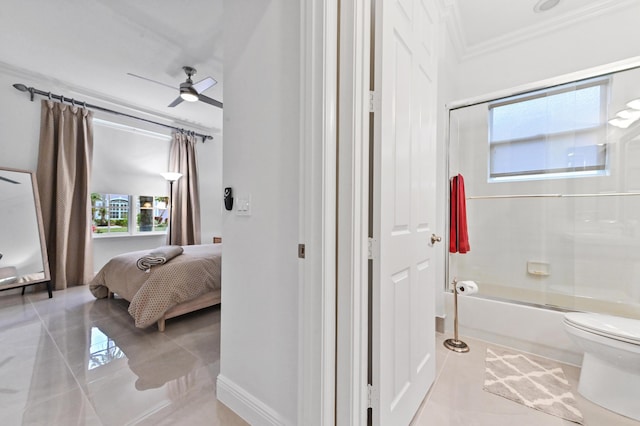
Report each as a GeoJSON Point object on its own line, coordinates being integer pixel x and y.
{"type": "Point", "coordinates": [189, 275]}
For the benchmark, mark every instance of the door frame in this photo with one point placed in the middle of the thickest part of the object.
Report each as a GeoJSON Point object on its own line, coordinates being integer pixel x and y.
{"type": "Point", "coordinates": [334, 188]}
{"type": "Point", "coordinates": [353, 212]}
{"type": "Point", "coordinates": [317, 212]}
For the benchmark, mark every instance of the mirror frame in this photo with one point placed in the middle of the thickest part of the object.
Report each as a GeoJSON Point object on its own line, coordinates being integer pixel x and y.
{"type": "Point", "coordinates": [43, 244]}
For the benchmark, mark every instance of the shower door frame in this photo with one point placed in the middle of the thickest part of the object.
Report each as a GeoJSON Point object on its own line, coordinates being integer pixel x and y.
{"type": "Point", "coordinates": [618, 66]}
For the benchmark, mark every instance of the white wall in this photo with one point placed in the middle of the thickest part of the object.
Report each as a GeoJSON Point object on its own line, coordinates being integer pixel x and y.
{"type": "Point", "coordinates": [19, 139]}
{"type": "Point", "coordinates": [599, 40]}
{"type": "Point", "coordinates": [259, 337]}
{"type": "Point", "coordinates": [576, 47]}
{"type": "Point", "coordinates": [19, 123]}
{"type": "Point", "coordinates": [210, 172]}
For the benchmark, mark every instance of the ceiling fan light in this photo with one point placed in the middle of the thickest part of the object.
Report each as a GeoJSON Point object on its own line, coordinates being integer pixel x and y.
{"type": "Point", "coordinates": [189, 96]}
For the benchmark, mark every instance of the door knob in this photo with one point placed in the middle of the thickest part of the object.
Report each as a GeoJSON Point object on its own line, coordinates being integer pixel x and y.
{"type": "Point", "coordinates": [435, 239]}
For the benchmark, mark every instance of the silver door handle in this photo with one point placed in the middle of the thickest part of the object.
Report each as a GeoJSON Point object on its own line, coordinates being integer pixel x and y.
{"type": "Point", "coordinates": [435, 239]}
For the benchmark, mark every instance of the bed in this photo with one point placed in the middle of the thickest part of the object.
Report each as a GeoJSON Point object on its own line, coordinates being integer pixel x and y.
{"type": "Point", "coordinates": [185, 283]}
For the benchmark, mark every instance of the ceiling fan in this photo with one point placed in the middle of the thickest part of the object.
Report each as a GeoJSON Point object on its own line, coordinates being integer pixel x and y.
{"type": "Point", "coordinates": [190, 91]}
{"type": "Point", "coordinates": [5, 179]}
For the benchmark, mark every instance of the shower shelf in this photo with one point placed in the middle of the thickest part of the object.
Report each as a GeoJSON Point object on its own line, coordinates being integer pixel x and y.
{"type": "Point", "coordinates": [539, 269]}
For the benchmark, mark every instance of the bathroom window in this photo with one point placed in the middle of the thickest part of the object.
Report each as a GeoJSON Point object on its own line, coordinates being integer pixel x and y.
{"type": "Point", "coordinates": [556, 132]}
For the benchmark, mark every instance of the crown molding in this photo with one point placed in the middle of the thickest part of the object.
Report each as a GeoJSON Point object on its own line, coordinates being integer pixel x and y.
{"type": "Point", "coordinates": [453, 22]}
{"type": "Point", "coordinates": [597, 71]}
{"type": "Point", "coordinates": [466, 51]}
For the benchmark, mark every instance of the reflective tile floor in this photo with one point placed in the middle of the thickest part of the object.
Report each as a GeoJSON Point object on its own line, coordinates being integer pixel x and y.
{"type": "Point", "coordinates": [457, 398]}
{"type": "Point", "coordinates": [75, 360]}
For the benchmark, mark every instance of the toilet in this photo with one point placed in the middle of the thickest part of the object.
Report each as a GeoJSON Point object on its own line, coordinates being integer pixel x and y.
{"type": "Point", "coordinates": [610, 374]}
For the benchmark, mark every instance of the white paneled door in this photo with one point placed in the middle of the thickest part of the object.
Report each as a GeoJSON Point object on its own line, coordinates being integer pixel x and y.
{"type": "Point", "coordinates": [403, 323]}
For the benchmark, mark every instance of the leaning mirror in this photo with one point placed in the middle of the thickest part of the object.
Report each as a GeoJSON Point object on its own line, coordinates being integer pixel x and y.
{"type": "Point", "coordinates": [23, 253]}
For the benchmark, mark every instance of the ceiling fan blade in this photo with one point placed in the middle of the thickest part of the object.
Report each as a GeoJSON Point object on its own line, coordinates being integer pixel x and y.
{"type": "Point", "coordinates": [210, 101]}
{"type": "Point", "coordinates": [152, 81]}
{"type": "Point", "coordinates": [204, 84]}
{"type": "Point", "coordinates": [177, 101]}
{"type": "Point", "coordinates": [9, 180]}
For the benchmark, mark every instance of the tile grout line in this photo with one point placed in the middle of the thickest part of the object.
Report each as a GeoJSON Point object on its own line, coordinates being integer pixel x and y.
{"type": "Point", "coordinates": [64, 359]}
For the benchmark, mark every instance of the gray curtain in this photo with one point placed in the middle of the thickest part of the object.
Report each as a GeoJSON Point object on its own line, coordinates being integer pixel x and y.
{"type": "Point", "coordinates": [64, 172]}
{"type": "Point", "coordinates": [185, 223]}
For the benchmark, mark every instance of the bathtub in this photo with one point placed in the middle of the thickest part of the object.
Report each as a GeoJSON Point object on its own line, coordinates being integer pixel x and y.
{"type": "Point", "coordinates": [532, 329]}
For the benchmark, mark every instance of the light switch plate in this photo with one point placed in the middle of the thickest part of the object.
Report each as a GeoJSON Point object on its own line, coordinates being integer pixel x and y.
{"type": "Point", "coordinates": [243, 205]}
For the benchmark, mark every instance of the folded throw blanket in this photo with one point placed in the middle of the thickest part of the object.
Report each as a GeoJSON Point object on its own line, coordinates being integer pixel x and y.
{"type": "Point", "coordinates": [158, 256]}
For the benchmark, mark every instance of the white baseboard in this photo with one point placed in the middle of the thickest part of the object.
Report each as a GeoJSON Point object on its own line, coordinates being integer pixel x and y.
{"type": "Point", "coordinates": [245, 405]}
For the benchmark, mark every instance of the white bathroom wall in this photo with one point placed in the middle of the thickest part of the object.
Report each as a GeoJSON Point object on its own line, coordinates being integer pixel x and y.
{"type": "Point", "coordinates": [259, 335]}
{"type": "Point", "coordinates": [19, 138]}
{"type": "Point", "coordinates": [578, 46]}
{"type": "Point", "coordinates": [601, 39]}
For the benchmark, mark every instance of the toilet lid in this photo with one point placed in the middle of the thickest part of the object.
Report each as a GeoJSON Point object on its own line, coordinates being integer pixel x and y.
{"type": "Point", "coordinates": [625, 329]}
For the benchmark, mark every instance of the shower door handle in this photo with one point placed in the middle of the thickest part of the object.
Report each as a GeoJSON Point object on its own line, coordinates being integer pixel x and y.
{"type": "Point", "coordinates": [435, 239]}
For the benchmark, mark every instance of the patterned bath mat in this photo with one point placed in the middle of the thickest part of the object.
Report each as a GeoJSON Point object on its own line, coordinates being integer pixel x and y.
{"type": "Point", "coordinates": [539, 384]}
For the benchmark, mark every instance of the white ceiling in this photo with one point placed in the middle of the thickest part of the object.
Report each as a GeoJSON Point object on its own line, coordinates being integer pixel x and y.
{"type": "Point", "coordinates": [91, 45]}
{"type": "Point", "coordinates": [480, 26]}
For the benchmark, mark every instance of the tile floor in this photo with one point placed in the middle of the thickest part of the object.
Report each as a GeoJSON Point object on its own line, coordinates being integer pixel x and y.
{"type": "Point", "coordinates": [457, 398]}
{"type": "Point", "coordinates": [75, 360]}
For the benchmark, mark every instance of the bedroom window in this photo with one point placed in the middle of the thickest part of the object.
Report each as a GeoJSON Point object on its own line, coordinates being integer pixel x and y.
{"type": "Point", "coordinates": [102, 350]}
{"type": "Point", "coordinates": [556, 132]}
{"type": "Point", "coordinates": [153, 213]}
{"type": "Point", "coordinates": [111, 214]}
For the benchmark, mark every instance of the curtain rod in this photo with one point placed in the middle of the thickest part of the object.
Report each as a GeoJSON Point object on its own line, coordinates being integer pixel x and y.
{"type": "Point", "coordinates": [32, 91]}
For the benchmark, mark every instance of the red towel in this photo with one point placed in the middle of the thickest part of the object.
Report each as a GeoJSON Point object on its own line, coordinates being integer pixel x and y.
{"type": "Point", "coordinates": [459, 236]}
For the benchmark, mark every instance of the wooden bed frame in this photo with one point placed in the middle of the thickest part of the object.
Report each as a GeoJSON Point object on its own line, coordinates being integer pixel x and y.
{"type": "Point", "coordinates": [208, 299]}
